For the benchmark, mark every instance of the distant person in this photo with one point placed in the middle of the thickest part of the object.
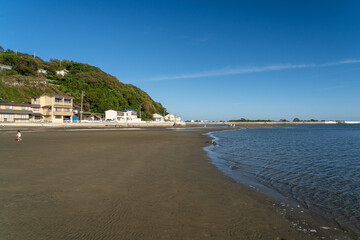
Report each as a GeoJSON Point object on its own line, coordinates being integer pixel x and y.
{"type": "Point", "coordinates": [18, 135]}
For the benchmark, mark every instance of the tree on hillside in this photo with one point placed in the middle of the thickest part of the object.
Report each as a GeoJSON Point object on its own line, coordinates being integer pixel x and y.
{"type": "Point", "coordinates": [103, 91]}
{"type": "Point", "coordinates": [1, 49]}
{"type": "Point", "coordinates": [296, 120]}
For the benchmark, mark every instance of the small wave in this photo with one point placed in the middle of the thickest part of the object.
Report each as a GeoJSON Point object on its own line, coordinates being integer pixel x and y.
{"type": "Point", "coordinates": [316, 166]}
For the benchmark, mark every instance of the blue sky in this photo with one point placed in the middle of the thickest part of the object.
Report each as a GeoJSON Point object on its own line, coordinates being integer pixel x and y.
{"type": "Point", "coordinates": [214, 60]}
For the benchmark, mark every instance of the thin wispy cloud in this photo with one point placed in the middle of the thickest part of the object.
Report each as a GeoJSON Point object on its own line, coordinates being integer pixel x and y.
{"type": "Point", "coordinates": [333, 87]}
{"type": "Point", "coordinates": [243, 70]}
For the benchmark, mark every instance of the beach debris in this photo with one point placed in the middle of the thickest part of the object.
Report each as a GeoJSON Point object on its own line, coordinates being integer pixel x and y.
{"type": "Point", "coordinates": [313, 230]}
{"type": "Point", "coordinates": [214, 143]}
{"type": "Point", "coordinates": [233, 167]}
{"type": "Point", "coordinates": [326, 228]}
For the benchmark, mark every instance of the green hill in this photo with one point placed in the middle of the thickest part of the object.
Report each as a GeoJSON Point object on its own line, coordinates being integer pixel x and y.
{"type": "Point", "coordinates": [102, 91]}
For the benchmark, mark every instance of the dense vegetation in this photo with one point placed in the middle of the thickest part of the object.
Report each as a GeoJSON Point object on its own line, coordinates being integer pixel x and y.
{"type": "Point", "coordinates": [299, 120]}
{"type": "Point", "coordinates": [248, 120]}
{"type": "Point", "coordinates": [102, 91]}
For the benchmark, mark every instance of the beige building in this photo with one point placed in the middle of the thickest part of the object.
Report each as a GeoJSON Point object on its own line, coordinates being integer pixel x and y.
{"type": "Point", "coordinates": [55, 108]}
{"type": "Point", "coordinates": [172, 118]}
{"type": "Point", "coordinates": [158, 118]}
{"type": "Point", "coordinates": [19, 112]}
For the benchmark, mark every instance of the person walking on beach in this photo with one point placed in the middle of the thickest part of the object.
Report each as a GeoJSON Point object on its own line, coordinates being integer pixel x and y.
{"type": "Point", "coordinates": [18, 136]}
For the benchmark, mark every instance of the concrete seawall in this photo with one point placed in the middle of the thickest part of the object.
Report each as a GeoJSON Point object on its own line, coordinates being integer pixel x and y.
{"type": "Point", "coordinates": [153, 124]}
{"type": "Point", "coordinates": [92, 125]}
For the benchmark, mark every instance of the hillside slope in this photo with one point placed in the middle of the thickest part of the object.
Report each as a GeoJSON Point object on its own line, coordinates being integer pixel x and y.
{"type": "Point", "coordinates": [102, 91]}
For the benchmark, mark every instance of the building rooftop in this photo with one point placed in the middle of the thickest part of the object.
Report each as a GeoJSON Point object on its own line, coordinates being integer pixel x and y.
{"type": "Point", "coordinates": [16, 111]}
{"type": "Point", "coordinates": [16, 104]}
{"type": "Point", "coordinates": [54, 95]}
{"type": "Point", "coordinates": [129, 110]}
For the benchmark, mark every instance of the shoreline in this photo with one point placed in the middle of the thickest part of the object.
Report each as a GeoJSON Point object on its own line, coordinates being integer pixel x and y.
{"type": "Point", "coordinates": [97, 183]}
{"type": "Point", "coordinates": [303, 218]}
{"type": "Point", "coordinates": [160, 124]}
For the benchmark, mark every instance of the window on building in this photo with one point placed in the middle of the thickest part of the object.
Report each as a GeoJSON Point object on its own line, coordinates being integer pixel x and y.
{"type": "Point", "coordinates": [58, 109]}
{"type": "Point", "coordinates": [34, 100]}
{"type": "Point", "coordinates": [25, 108]}
{"type": "Point", "coordinates": [66, 109]}
{"type": "Point", "coordinates": [36, 109]}
{"type": "Point", "coordinates": [49, 110]}
{"type": "Point", "coordinates": [58, 100]}
{"type": "Point", "coordinates": [9, 115]}
{"type": "Point", "coordinates": [2, 115]}
{"type": "Point", "coordinates": [58, 117]}
{"type": "Point", "coordinates": [67, 100]}
{"type": "Point", "coordinates": [21, 116]}
{"type": "Point", "coordinates": [9, 107]}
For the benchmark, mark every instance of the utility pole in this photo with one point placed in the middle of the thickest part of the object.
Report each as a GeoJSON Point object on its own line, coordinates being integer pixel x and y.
{"type": "Point", "coordinates": [81, 109]}
{"type": "Point", "coordinates": [52, 109]}
{"type": "Point", "coordinates": [140, 112]}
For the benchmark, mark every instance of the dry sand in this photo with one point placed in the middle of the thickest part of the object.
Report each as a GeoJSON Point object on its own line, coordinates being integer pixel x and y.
{"type": "Point", "coordinates": [139, 184]}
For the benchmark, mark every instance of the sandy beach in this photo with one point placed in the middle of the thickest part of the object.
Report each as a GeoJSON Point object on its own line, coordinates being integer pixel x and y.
{"type": "Point", "coordinates": [126, 184]}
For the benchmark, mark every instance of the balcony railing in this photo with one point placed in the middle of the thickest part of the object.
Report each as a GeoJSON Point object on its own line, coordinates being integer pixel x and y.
{"type": "Point", "coordinates": [62, 113]}
{"type": "Point", "coordinates": [62, 104]}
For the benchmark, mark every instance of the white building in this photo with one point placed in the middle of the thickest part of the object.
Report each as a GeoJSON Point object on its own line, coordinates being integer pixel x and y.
{"type": "Point", "coordinates": [5, 67]}
{"type": "Point", "coordinates": [172, 118]}
{"type": "Point", "coordinates": [42, 71]}
{"type": "Point", "coordinates": [330, 122]}
{"type": "Point", "coordinates": [111, 115]}
{"type": "Point", "coordinates": [352, 122]}
{"type": "Point", "coordinates": [62, 72]}
{"type": "Point", "coordinates": [127, 115]}
{"type": "Point", "coordinates": [158, 118]}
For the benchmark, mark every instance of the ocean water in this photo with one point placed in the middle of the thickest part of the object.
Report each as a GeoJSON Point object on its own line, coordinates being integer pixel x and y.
{"type": "Point", "coordinates": [317, 166]}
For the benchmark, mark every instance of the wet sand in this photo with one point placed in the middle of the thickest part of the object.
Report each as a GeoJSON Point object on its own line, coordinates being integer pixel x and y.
{"type": "Point", "coordinates": [126, 184]}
